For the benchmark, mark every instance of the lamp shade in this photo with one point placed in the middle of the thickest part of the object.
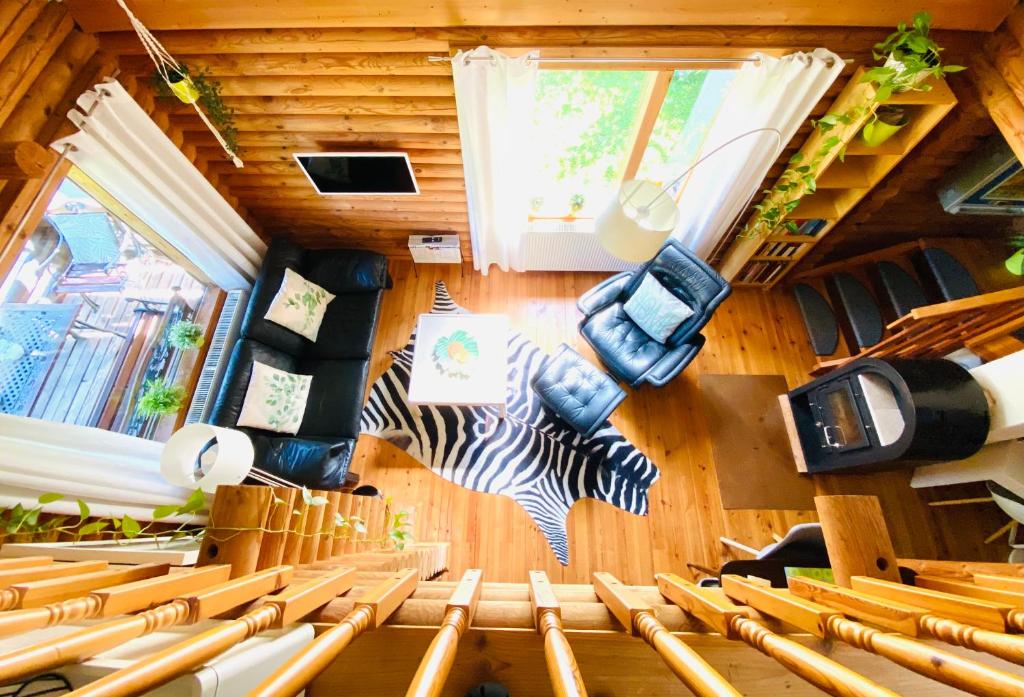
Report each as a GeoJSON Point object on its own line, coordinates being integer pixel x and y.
{"type": "Point", "coordinates": [637, 222]}
{"type": "Point", "coordinates": [200, 455]}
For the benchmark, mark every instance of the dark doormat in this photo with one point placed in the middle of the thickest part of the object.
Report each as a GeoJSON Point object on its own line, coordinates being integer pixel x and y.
{"type": "Point", "coordinates": [752, 456]}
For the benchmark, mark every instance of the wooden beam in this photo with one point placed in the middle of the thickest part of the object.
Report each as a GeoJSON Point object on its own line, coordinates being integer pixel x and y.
{"type": "Point", "coordinates": [104, 15]}
{"type": "Point", "coordinates": [24, 159]}
{"type": "Point", "coordinates": [338, 86]}
{"type": "Point", "coordinates": [655, 99]}
{"type": "Point", "coordinates": [1002, 104]}
{"type": "Point", "coordinates": [856, 537]}
{"type": "Point", "coordinates": [332, 106]}
{"type": "Point", "coordinates": [284, 154]}
{"type": "Point", "coordinates": [270, 180]}
{"type": "Point", "coordinates": [321, 122]}
{"type": "Point", "coordinates": [30, 56]}
{"type": "Point", "coordinates": [291, 64]}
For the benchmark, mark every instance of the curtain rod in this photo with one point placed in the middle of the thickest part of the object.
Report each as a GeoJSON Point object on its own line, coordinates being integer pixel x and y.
{"type": "Point", "coordinates": [538, 59]}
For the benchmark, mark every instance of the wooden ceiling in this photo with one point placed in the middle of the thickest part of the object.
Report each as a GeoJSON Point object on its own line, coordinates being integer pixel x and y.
{"type": "Point", "coordinates": [312, 76]}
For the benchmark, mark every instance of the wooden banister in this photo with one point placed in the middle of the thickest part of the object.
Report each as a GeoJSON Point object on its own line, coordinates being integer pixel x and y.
{"type": "Point", "coordinates": [37, 593]}
{"type": "Point", "coordinates": [638, 619]}
{"type": "Point", "coordinates": [941, 666]}
{"type": "Point", "coordinates": [733, 622]}
{"type": "Point", "coordinates": [908, 619]}
{"type": "Point", "coordinates": [274, 612]}
{"type": "Point", "coordinates": [979, 613]}
{"type": "Point", "coordinates": [440, 655]}
{"type": "Point", "coordinates": [372, 609]}
{"type": "Point", "coordinates": [566, 680]}
{"type": "Point", "coordinates": [189, 608]}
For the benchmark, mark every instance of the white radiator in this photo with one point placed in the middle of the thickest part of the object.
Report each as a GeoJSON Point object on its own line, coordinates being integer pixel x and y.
{"type": "Point", "coordinates": [216, 362]}
{"type": "Point", "coordinates": [563, 246]}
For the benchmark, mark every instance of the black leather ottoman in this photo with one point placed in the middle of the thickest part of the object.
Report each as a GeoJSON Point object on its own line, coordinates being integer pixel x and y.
{"type": "Point", "coordinates": [583, 396]}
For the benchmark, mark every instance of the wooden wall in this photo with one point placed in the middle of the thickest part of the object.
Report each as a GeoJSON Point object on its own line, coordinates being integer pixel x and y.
{"type": "Point", "coordinates": [45, 63]}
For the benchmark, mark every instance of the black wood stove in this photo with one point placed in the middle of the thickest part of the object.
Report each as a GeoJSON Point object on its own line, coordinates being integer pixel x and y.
{"type": "Point", "coordinates": [876, 414]}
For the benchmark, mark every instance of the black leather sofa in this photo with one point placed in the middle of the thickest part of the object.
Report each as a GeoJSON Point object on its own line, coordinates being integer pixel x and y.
{"type": "Point", "coordinates": [318, 456]}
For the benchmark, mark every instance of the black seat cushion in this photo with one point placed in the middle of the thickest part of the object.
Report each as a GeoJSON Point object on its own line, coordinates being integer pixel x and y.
{"type": "Point", "coordinates": [863, 318]}
{"type": "Point", "coordinates": [583, 396]}
{"type": "Point", "coordinates": [624, 348]}
{"type": "Point", "coordinates": [819, 320]}
{"type": "Point", "coordinates": [944, 276]}
{"type": "Point", "coordinates": [348, 327]}
{"type": "Point", "coordinates": [899, 288]}
{"type": "Point", "coordinates": [346, 270]}
{"type": "Point", "coordinates": [314, 464]}
{"type": "Point", "coordinates": [335, 397]}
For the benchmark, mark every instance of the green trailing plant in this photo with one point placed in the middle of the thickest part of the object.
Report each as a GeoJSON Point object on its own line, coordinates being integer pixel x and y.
{"type": "Point", "coordinates": [160, 399]}
{"type": "Point", "coordinates": [914, 57]}
{"type": "Point", "coordinates": [28, 524]}
{"type": "Point", "coordinates": [221, 115]}
{"type": "Point", "coordinates": [185, 335]}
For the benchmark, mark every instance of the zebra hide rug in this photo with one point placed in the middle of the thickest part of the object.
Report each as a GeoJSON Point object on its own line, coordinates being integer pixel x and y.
{"type": "Point", "coordinates": [531, 455]}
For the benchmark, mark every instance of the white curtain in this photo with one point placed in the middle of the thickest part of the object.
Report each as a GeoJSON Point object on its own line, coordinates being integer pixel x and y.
{"type": "Point", "coordinates": [495, 106]}
{"type": "Point", "coordinates": [120, 147]}
{"type": "Point", "coordinates": [113, 473]}
{"type": "Point", "coordinates": [773, 93]}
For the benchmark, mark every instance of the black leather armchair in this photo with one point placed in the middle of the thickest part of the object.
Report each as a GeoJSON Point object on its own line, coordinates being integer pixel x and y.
{"type": "Point", "coordinates": [624, 348]}
{"type": "Point", "coordinates": [318, 456]}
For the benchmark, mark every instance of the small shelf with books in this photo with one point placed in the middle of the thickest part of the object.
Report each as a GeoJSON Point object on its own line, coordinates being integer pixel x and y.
{"type": "Point", "coordinates": [842, 181]}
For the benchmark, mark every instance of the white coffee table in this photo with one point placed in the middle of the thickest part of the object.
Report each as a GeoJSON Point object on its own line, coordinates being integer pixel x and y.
{"type": "Point", "coordinates": [460, 360]}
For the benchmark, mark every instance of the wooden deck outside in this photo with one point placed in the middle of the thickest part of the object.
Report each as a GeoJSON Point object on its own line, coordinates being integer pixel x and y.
{"type": "Point", "coordinates": [87, 381]}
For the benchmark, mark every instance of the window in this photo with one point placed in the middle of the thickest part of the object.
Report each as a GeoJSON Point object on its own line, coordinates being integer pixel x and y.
{"type": "Point", "coordinates": [84, 318]}
{"type": "Point", "coordinates": [594, 129]}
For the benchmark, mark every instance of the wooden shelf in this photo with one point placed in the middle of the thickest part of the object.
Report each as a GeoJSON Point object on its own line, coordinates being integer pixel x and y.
{"type": "Point", "coordinates": [764, 262]}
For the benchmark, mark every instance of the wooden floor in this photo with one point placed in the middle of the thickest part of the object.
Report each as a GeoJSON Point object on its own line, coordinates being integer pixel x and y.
{"type": "Point", "coordinates": [752, 333]}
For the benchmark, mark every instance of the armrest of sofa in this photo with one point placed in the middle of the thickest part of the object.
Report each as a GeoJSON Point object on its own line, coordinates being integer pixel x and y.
{"type": "Point", "coordinates": [673, 362]}
{"type": "Point", "coordinates": [312, 463]}
{"type": "Point", "coordinates": [603, 294]}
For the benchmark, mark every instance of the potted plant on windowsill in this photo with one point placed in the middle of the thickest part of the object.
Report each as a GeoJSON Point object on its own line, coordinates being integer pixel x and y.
{"type": "Point", "coordinates": [185, 335]}
{"type": "Point", "coordinates": [576, 203]}
{"type": "Point", "coordinates": [161, 399]}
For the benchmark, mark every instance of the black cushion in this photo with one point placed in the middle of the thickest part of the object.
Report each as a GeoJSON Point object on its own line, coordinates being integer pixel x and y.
{"type": "Point", "coordinates": [583, 396]}
{"type": "Point", "coordinates": [943, 275]}
{"type": "Point", "coordinates": [861, 314]}
{"type": "Point", "coordinates": [819, 320]}
{"type": "Point", "coordinates": [313, 464]}
{"type": "Point", "coordinates": [899, 288]}
{"type": "Point", "coordinates": [348, 328]}
{"type": "Point", "coordinates": [624, 348]}
{"type": "Point", "coordinates": [335, 397]}
{"type": "Point", "coordinates": [346, 270]}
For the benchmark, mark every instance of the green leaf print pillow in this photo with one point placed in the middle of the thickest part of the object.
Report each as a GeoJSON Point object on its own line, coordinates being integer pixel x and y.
{"type": "Point", "coordinates": [299, 305]}
{"type": "Point", "coordinates": [275, 399]}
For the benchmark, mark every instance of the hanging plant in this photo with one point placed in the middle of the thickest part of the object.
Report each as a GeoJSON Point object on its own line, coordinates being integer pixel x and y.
{"type": "Point", "coordinates": [161, 399]}
{"type": "Point", "coordinates": [185, 335]}
{"type": "Point", "coordinates": [910, 58]}
{"type": "Point", "coordinates": [190, 86]}
{"type": "Point", "coordinates": [576, 203]}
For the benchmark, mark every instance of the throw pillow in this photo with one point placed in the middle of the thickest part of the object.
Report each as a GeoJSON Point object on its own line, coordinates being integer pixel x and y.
{"type": "Point", "coordinates": [275, 399]}
{"type": "Point", "coordinates": [299, 305]}
{"type": "Point", "coordinates": [656, 310]}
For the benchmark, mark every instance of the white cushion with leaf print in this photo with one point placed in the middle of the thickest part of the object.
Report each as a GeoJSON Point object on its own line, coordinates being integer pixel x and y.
{"type": "Point", "coordinates": [275, 399]}
{"type": "Point", "coordinates": [299, 305]}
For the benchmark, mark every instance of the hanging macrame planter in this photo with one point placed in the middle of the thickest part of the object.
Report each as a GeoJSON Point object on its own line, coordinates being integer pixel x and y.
{"type": "Point", "coordinates": [177, 78]}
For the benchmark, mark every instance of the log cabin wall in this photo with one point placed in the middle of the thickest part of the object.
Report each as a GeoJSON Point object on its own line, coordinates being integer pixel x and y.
{"type": "Point", "coordinates": [309, 80]}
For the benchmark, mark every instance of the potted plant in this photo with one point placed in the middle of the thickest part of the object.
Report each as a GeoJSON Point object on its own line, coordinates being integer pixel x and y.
{"type": "Point", "coordinates": [883, 125]}
{"type": "Point", "coordinates": [182, 86]}
{"type": "Point", "coordinates": [191, 86]}
{"type": "Point", "coordinates": [911, 57]}
{"type": "Point", "coordinates": [1015, 264]}
{"type": "Point", "coordinates": [160, 399]}
{"type": "Point", "coordinates": [576, 202]}
{"type": "Point", "coordinates": [185, 335]}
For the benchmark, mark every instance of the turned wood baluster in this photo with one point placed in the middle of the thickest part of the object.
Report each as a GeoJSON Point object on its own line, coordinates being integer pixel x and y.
{"type": "Point", "coordinates": [939, 665]}
{"type": "Point", "coordinates": [41, 592]}
{"type": "Point", "coordinates": [735, 622]}
{"type": "Point", "coordinates": [274, 612]}
{"type": "Point", "coordinates": [93, 640]}
{"type": "Point", "coordinates": [12, 575]}
{"type": "Point", "coordinates": [909, 619]}
{"type": "Point", "coordinates": [638, 619]}
{"type": "Point", "coordinates": [371, 610]}
{"type": "Point", "coordinates": [437, 661]}
{"type": "Point", "coordinates": [114, 600]}
{"type": "Point", "coordinates": [566, 680]}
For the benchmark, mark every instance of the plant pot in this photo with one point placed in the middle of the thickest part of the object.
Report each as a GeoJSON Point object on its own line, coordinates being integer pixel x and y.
{"type": "Point", "coordinates": [183, 87]}
{"type": "Point", "coordinates": [883, 125]}
{"type": "Point", "coordinates": [1015, 264]}
{"type": "Point", "coordinates": [900, 84]}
